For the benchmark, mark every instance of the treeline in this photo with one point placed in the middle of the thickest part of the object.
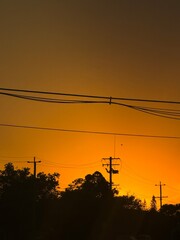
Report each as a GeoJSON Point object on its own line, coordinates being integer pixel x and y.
{"type": "Point", "coordinates": [35, 208]}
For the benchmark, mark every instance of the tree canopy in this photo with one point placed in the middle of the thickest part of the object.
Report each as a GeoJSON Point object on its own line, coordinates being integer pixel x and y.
{"type": "Point", "coordinates": [92, 186]}
{"type": "Point", "coordinates": [34, 208]}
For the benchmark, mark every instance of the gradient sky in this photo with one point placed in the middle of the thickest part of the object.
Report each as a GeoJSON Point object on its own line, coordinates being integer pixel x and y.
{"type": "Point", "coordinates": [109, 48]}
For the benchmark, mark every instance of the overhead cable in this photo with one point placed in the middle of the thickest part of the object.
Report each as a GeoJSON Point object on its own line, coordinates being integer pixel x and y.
{"type": "Point", "coordinates": [89, 96]}
{"type": "Point", "coordinates": [160, 112]}
{"type": "Point", "coordinates": [88, 132]}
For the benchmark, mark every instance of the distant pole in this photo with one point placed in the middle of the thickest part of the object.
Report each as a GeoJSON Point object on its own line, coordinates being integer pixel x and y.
{"type": "Point", "coordinates": [111, 171]}
{"type": "Point", "coordinates": [34, 163]}
{"type": "Point", "coordinates": [160, 185]}
{"type": "Point", "coordinates": [34, 187]}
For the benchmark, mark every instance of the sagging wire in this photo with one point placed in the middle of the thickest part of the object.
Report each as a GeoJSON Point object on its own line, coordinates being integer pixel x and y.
{"type": "Point", "coordinates": [160, 112]}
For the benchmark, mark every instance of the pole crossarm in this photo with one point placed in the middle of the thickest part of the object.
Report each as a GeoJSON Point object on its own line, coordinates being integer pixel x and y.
{"type": "Point", "coordinates": [160, 185]}
{"type": "Point", "coordinates": [111, 171]}
{"type": "Point", "coordinates": [107, 164]}
{"type": "Point", "coordinates": [34, 162]}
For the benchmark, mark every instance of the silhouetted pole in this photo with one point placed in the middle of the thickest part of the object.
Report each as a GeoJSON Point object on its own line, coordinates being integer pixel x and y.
{"type": "Point", "coordinates": [34, 162]}
{"type": "Point", "coordinates": [34, 199]}
{"type": "Point", "coordinates": [111, 171]}
{"type": "Point", "coordinates": [160, 185]}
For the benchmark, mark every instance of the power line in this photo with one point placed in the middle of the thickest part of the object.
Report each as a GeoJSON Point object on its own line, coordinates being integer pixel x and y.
{"type": "Point", "coordinates": [157, 111]}
{"type": "Point", "coordinates": [61, 165]}
{"type": "Point", "coordinates": [50, 100]}
{"type": "Point", "coordinates": [136, 175]}
{"type": "Point", "coordinates": [70, 167]}
{"type": "Point", "coordinates": [173, 188]}
{"type": "Point", "coordinates": [160, 112]}
{"type": "Point", "coordinates": [90, 96]}
{"type": "Point", "coordinates": [88, 132]}
{"type": "Point", "coordinates": [15, 157]}
{"type": "Point", "coordinates": [73, 165]}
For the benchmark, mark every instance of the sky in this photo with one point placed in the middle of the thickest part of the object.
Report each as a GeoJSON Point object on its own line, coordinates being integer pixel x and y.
{"type": "Point", "coordinates": [123, 49]}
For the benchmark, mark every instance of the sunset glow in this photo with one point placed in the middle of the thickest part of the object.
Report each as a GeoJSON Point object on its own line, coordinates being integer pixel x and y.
{"type": "Point", "coordinates": [122, 49]}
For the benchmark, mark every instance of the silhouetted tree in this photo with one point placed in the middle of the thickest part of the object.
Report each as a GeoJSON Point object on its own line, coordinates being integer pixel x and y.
{"type": "Point", "coordinates": [144, 205]}
{"type": "Point", "coordinates": [21, 184]}
{"type": "Point", "coordinates": [33, 208]}
{"type": "Point", "coordinates": [82, 204]}
{"type": "Point", "coordinates": [130, 202]}
{"type": "Point", "coordinates": [170, 209]}
{"type": "Point", "coordinates": [92, 186]}
{"type": "Point", "coordinates": [47, 185]}
{"type": "Point", "coordinates": [153, 204]}
{"type": "Point", "coordinates": [23, 200]}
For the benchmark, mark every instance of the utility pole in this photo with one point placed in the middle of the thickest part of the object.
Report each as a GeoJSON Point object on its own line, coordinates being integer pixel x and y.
{"type": "Point", "coordinates": [34, 162]}
{"type": "Point", "coordinates": [160, 185]}
{"type": "Point", "coordinates": [34, 196]}
{"type": "Point", "coordinates": [111, 171]}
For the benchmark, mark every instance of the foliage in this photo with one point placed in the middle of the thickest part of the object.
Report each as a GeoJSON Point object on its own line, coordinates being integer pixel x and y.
{"type": "Point", "coordinates": [75, 185]}
{"type": "Point", "coordinates": [170, 209]}
{"type": "Point", "coordinates": [21, 182]}
{"type": "Point", "coordinates": [23, 200]}
{"type": "Point", "coordinates": [153, 204]}
{"type": "Point", "coordinates": [92, 186]}
{"type": "Point", "coordinates": [32, 208]}
{"type": "Point", "coordinates": [46, 185]}
{"type": "Point", "coordinates": [14, 184]}
{"type": "Point", "coordinates": [130, 202]}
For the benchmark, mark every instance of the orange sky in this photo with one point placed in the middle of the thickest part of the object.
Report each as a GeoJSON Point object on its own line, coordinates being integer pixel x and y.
{"type": "Point", "coordinates": [110, 48]}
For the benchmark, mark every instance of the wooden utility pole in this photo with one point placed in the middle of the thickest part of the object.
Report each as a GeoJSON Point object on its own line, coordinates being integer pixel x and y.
{"type": "Point", "coordinates": [160, 185]}
{"type": "Point", "coordinates": [111, 171]}
{"type": "Point", "coordinates": [34, 162]}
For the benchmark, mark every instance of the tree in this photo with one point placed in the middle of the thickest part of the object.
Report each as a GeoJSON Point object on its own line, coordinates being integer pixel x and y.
{"type": "Point", "coordinates": [21, 184]}
{"type": "Point", "coordinates": [170, 209]}
{"type": "Point", "coordinates": [144, 205]}
{"type": "Point", "coordinates": [93, 186]}
{"type": "Point", "coordinates": [153, 204]}
{"type": "Point", "coordinates": [76, 185]}
{"type": "Point", "coordinates": [83, 205]}
{"type": "Point", "coordinates": [24, 200]}
{"type": "Point", "coordinates": [130, 202]}
{"type": "Point", "coordinates": [47, 185]}
{"type": "Point", "coordinates": [14, 184]}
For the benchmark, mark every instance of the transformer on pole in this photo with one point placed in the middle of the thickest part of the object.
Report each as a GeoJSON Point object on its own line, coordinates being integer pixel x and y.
{"type": "Point", "coordinates": [110, 169]}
